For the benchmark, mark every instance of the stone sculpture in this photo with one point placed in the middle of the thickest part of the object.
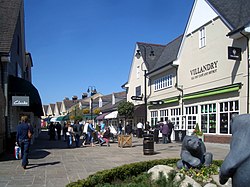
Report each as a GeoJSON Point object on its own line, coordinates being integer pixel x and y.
{"type": "Point", "coordinates": [237, 163]}
{"type": "Point", "coordinates": [193, 153]}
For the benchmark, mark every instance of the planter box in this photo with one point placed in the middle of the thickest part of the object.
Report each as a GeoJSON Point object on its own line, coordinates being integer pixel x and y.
{"type": "Point", "coordinates": [124, 141]}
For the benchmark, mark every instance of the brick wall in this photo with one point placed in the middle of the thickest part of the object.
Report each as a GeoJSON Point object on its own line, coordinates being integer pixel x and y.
{"type": "Point", "coordinates": [224, 139]}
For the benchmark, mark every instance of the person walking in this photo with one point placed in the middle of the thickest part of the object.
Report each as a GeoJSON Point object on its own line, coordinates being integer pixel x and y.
{"type": "Point", "coordinates": [139, 129]}
{"type": "Point", "coordinates": [128, 128]}
{"type": "Point", "coordinates": [91, 132]}
{"type": "Point", "coordinates": [164, 131]}
{"type": "Point", "coordinates": [58, 130]}
{"type": "Point", "coordinates": [23, 139]}
{"type": "Point", "coordinates": [77, 132]}
{"type": "Point", "coordinates": [171, 127]}
{"type": "Point", "coordinates": [156, 132]}
{"type": "Point", "coordinates": [52, 131]}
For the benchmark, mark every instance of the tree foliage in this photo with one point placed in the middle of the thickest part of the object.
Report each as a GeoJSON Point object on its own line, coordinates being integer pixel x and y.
{"type": "Point", "coordinates": [126, 109]}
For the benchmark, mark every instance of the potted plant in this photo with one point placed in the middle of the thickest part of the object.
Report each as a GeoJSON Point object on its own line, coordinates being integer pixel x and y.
{"type": "Point", "coordinates": [197, 132]}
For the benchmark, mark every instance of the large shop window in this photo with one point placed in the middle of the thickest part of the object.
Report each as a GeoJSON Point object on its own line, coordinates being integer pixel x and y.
{"type": "Point", "coordinates": [163, 115]}
{"type": "Point", "coordinates": [227, 110]}
{"type": "Point", "coordinates": [154, 117]}
{"type": "Point", "coordinates": [191, 115]}
{"type": "Point", "coordinates": [176, 118]}
{"type": "Point", "coordinates": [163, 82]}
{"type": "Point", "coordinates": [208, 118]}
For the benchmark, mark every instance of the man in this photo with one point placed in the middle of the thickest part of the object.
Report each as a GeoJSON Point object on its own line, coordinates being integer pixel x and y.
{"type": "Point", "coordinates": [23, 140]}
{"type": "Point", "coordinates": [139, 130]}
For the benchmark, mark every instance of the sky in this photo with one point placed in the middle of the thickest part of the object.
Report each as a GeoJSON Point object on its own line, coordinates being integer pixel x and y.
{"type": "Point", "coordinates": [81, 44]}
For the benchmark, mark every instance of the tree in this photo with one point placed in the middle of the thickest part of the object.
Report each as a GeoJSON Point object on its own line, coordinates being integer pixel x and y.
{"type": "Point", "coordinates": [126, 109]}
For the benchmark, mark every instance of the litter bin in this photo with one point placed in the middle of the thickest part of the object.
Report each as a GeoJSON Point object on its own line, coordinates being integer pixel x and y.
{"type": "Point", "coordinates": [148, 144]}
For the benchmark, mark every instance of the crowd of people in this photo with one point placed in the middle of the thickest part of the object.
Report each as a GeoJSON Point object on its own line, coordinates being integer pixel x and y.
{"type": "Point", "coordinates": [101, 133]}
{"type": "Point", "coordinates": [73, 133]}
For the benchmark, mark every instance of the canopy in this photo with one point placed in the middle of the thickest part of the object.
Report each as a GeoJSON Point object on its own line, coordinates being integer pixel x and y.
{"type": "Point", "coordinates": [111, 115]}
{"type": "Point", "coordinates": [101, 117]}
{"type": "Point", "coordinates": [54, 119]}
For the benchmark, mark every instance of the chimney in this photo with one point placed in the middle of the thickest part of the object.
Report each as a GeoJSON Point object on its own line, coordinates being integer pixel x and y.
{"type": "Point", "coordinates": [84, 95]}
{"type": "Point", "coordinates": [74, 98]}
{"type": "Point", "coordinates": [66, 98]}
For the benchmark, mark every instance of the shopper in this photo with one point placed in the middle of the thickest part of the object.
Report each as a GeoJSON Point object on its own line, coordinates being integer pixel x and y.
{"type": "Point", "coordinates": [23, 139]}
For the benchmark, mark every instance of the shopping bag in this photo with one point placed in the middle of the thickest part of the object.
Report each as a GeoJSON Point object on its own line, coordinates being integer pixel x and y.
{"type": "Point", "coordinates": [17, 152]}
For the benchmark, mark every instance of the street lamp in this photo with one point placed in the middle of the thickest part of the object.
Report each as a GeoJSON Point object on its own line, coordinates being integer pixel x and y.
{"type": "Point", "coordinates": [92, 91]}
{"type": "Point", "coordinates": [151, 56]}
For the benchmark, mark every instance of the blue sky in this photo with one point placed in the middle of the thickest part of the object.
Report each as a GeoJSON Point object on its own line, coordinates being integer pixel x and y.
{"type": "Point", "coordinates": [80, 43]}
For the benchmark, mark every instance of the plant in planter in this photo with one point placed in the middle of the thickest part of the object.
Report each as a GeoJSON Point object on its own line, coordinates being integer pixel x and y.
{"type": "Point", "coordinates": [197, 131]}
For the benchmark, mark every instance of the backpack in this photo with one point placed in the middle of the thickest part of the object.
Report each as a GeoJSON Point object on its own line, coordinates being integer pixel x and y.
{"type": "Point", "coordinates": [75, 129]}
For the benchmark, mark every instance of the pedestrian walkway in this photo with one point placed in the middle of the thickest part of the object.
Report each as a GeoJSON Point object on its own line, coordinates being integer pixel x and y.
{"type": "Point", "coordinates": [52, 164]}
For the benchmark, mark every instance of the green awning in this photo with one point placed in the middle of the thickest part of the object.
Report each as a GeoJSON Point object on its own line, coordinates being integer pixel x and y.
{"type": "Point", "coordinates": [211, 92]}
{"type": "Point", "coordinates": [88, 116]}
{"type": "Point", "coordinates": [171, 100]}
{"type": "Point", "coordinates": [164, 101]}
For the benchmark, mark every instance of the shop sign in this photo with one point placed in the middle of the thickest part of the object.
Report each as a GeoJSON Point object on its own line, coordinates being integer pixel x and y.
{"type": "Point", "coordinates": [20, 101]}
{"type": "Point", "coordinates": [234, 53]}
{"type": "Point", "coordinates": [156, 102]}
{"type": "Point", "coordinates": [204, 70]}
{"type": "Point", "coordinates": [139, 98]}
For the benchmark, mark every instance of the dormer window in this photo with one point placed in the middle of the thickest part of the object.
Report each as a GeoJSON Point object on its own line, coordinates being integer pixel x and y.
{"type": "Point", "coordinates": [202, 37]}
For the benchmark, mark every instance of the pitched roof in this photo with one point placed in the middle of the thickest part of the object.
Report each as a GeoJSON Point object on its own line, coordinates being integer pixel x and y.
{"type": "Point", "coordinates": [168, 55]}
{"type": "Point", "coordinates": [120, 95]}
{"type": "Point", "coordinates": [9, 12]}
{"type": "Point", "coordinates": [235, 12]}
{"type": "Point", "coordinates": [146, 48]}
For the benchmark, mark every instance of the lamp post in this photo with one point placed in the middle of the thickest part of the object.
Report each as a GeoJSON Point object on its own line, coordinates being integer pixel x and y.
{"type": "Point", "coordinates": [92, 91]}
{"type": "Point", "coordinates": [151, 56]}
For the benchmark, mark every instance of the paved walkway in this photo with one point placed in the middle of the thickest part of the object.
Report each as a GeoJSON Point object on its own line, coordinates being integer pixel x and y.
{"type": "Point", "coordinates": [52, 164]}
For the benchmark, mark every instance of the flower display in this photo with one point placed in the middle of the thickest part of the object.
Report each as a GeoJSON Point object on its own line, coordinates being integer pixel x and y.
{"type": "Point", "coordinates": [197, 130]}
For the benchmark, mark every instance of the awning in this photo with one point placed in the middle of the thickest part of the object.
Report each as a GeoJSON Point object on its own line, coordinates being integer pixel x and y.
{"type": "Point", "coordinates": [54, 119]}
{"type": "Point", "coordinates": [101, 117]}
{"type": "Point", "coordinates": [21, 87]}
{"type": "Point", "coordinates": [62, 118]}
{"type": "Point", "coordinates": [88, 116]}
{"type": "Point", "coordinates": [111, 115]}
{"type": "Point", "coordinates": [211, 92]}
{"type": "Point", "coordinates": [139, 110]}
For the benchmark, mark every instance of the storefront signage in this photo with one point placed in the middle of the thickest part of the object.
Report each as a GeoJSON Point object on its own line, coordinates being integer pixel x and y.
{"type": "Point", "coordinates": [20, 101]}
{"type": "Point", "coordinates": [204, 70]}
{"type": "Point", "coordinates": [139, 98]}
{"type": "Point", "coordinates": [156, 102]}
{"type": "Point", "coordinates": [234, 53]}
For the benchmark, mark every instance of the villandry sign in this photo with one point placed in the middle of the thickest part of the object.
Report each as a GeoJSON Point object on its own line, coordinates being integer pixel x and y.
{"type": "Point", "coordinates": [20, 101]}
{"type": "Point", "coordinates": [234, 53]}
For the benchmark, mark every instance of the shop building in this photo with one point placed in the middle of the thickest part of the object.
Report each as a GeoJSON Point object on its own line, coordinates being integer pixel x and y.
{"type": "Point", "coordinates": [202, 77]}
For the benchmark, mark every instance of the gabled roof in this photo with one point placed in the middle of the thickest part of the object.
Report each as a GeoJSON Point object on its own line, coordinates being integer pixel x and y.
{"type": "Point", "coordinates": [235, 12]}
{"type": "Point", "coordinates": [146, 48]}
{"type": "Point", "coordinates": [109, 107]}
{"type": "Point", "coordinates": [168, 55]}
{"type": "Point", "coordinates": [9, 12]}
{"type": "Point", "coordinates": [120, 95]}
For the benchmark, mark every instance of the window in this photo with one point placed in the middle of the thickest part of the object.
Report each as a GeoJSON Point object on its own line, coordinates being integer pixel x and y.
{"type": "Point", "coordinates": [138, 91]}
{"type": "Point", "coordinates": [208, 118]}
{"type": "Point", "coordinates": [163, 115]}
{"type": "Point", "coordinates": [191, 114]}
{"type": "Point", "coordinates": [138, 72]}
{"type": "Point", "coordinates": [175, 114]}
{"type": "Point", "coordinates": [227, 110]}
{"type": "Point", "coordinates": [163, 82]}
{"type": "Point", "coordinates": [154, 117]}
{"type": "Point", "coordinates": [202, 37]}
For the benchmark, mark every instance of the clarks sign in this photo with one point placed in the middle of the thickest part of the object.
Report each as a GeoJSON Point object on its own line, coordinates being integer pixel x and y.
{"type": "Point", "coordinates": [20, 101]}
{"type": "Point", "coordinates": [204, 70]}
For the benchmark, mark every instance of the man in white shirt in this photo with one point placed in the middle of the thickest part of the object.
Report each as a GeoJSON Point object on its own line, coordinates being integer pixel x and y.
{"type": "Point", "coordinates": [139, 129]}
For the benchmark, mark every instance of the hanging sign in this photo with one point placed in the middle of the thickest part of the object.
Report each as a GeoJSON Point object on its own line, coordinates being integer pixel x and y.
{"type": "Point", "coordinates": [20, 101]}
{"type": "Point", "coordinates": [234, 53]}
{"type": "Point", "coordinates": [139, 98]}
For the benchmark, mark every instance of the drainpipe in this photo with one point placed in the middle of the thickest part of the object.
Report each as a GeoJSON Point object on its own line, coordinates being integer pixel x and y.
{"type": "Point", "coordinates": [180, 88]}
{"type": "Point", "coordinates": [248, 84]}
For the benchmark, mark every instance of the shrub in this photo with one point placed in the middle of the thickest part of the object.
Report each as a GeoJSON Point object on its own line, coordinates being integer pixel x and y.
{"type": "Point", "coordinates": [127, 172]}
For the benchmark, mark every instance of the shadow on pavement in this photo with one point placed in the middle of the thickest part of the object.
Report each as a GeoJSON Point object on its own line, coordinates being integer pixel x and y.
{"type": "Point", "coordinates": [30, 166]}
{"type": "Point", "coordinates": [38, 154]}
